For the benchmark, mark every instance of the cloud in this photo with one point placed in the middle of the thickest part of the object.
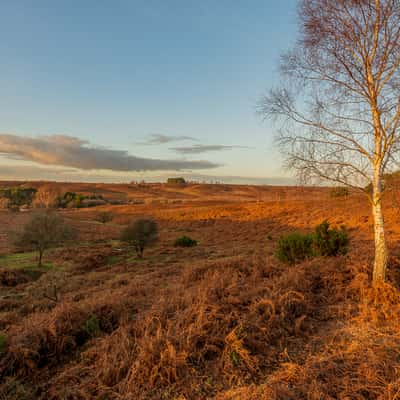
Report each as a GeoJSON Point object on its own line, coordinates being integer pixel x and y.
{"type": "Point", "coordinates": [32, 173]}
{"type": "Point", "coordinates": [73, 152]}
{"type": "Point", "coordinates": [201, 148]}
{"type": "Point", "coordinates": [162, 139]}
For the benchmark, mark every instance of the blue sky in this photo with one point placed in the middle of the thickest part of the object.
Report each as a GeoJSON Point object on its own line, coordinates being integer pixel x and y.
{"type": "Point", "coordinates": [113, 73]}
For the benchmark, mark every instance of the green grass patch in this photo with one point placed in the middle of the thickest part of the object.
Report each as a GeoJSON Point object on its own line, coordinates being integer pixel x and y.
{"type": "Point", "coordinates": [23, 261]}
{"type": "Point", "coordinates": [18, 260]}
{"type": "Point", "coordinates": [26, 263]}
{"type": "Point", "coordinates": [136, 259]}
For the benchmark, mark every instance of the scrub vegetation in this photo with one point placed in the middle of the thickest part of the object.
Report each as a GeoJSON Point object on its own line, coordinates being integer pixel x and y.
{"type": "Point", "coordinates": [229, 318]}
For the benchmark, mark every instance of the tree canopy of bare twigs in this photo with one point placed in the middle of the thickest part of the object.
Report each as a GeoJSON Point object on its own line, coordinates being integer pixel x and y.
{"type": "Point", "coordinates": [43, 231]}
{"type": "Point", "coordinates": [338, 109]}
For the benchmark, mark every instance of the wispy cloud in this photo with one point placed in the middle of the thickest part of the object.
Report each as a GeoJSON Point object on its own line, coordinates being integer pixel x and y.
{"type": "Point", "coordinates": [73, 152]}
{"type": "Point", "coordinates": [202, 148]}
{"type": "Point", "coordinates": [162, 139]}
{"type": "Point", "coordinates": [32, 172]}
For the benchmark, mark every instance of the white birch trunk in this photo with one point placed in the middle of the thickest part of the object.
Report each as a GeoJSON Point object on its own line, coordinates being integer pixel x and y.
{"type": "Point", "coordinates": [381, 253]}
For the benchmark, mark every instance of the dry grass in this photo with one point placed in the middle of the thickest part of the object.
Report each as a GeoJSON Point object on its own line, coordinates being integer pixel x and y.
{"type": "Point", "coordinates": [223, 320]}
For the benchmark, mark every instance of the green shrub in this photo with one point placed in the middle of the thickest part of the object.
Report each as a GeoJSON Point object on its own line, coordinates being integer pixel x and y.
{"type": "Point", "coordinates": [294, 247]}
{"type": "Point", "coordinates": [92, 326]}
{"type": "Point", "coordinates": [339, 191]}
{"type": "Point", "coordinates": [330, 242]}
{"type": "Point", "coordinates": [185, 241]}
{"type": "Point", "coordinates": [71, 199]}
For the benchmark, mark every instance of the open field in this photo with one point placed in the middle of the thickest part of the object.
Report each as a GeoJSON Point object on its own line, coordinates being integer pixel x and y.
{"type": "Point", "coordinates": [222, 320]}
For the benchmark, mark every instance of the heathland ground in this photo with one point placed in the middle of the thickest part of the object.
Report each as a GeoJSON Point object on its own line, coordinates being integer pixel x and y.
{"type": "Point", "coordinates": [221, 320]}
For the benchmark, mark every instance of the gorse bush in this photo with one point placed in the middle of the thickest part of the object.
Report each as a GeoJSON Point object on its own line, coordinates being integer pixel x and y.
{"type": "Point", "coordinates": [104, 217]}
{"type": "Point", "coordinates": [339, 191]}
{"type": "Point", "coordinates": [185, 241]}
{"type": "Point", "coordinates": [296, 246]}
{"type": "Point", "coordinates": [330, 242]}
{"type": "Point", "coordinates": [140, 234]}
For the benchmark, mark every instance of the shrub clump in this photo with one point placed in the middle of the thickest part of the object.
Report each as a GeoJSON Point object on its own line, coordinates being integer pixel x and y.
{"type": "Point", "coordinates": [140, 234]}
{"type": "Point", "coordinates": [185, 241]}
{"type": "Point", "coordinates": [78, 200]}
{"type": "Point", "coordinates": [104, 217]}
{"type": "Point", "coordinates": [324, 241]}
{"type": "Point", "coordinates": [339, 191]}
{"type": "Point", "coordinates": [294, 247]}
{"type": "Point", "coordinates": [330, 242]}
{"type": "Point", "coordinates": [92, 326]}
{"type": "Point", "coordinates": [18, 196]}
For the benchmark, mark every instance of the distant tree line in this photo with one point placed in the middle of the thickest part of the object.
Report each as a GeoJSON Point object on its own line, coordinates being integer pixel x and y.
{"type": "Point", "coordinates": [46, 197]}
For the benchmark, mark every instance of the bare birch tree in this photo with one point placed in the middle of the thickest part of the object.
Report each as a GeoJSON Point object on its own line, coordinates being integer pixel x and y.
{"type": "Point", "coordinates": [338, 108]}
{"type": "Point", "coordinates": [46, 197]}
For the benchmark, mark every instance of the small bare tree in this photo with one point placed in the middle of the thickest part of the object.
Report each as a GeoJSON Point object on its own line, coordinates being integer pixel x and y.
{"type": "Point", "coordinates": [140, 234]}
{"type": "Point", "coordinates": [339, 105]}
{"type": "Point", "coordinates": [43, 231]}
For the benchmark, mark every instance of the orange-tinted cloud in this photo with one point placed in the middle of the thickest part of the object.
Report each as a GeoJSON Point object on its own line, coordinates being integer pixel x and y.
{"type": "Point", "coordinates": [77, 153]}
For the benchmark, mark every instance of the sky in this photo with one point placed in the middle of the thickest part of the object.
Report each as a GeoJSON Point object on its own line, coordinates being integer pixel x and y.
{"type": "Point", "coordinates": [140, 89]}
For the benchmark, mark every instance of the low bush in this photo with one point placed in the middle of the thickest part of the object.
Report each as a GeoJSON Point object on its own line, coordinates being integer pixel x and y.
{"type": "Point", "coordinates": [296, 247]}
{"type": "Point", "coordinates": [104, 217]}
{"type": "Point", "coordinates": [339, 191]}
{"type": "Point", "coordinates": [18, 196]}
{"type": "Point", "coordinates": [185, 241]}
{"type": "Point", "coordinates": [330, 242]}
{"type": "Point", "coordinates": [92, 326]}
{"type": "Point", "coordinates": [71, 200]}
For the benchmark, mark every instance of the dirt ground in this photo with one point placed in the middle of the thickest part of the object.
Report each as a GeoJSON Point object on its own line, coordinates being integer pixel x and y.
{"type": "Point", "coordinates": [221, 320]}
